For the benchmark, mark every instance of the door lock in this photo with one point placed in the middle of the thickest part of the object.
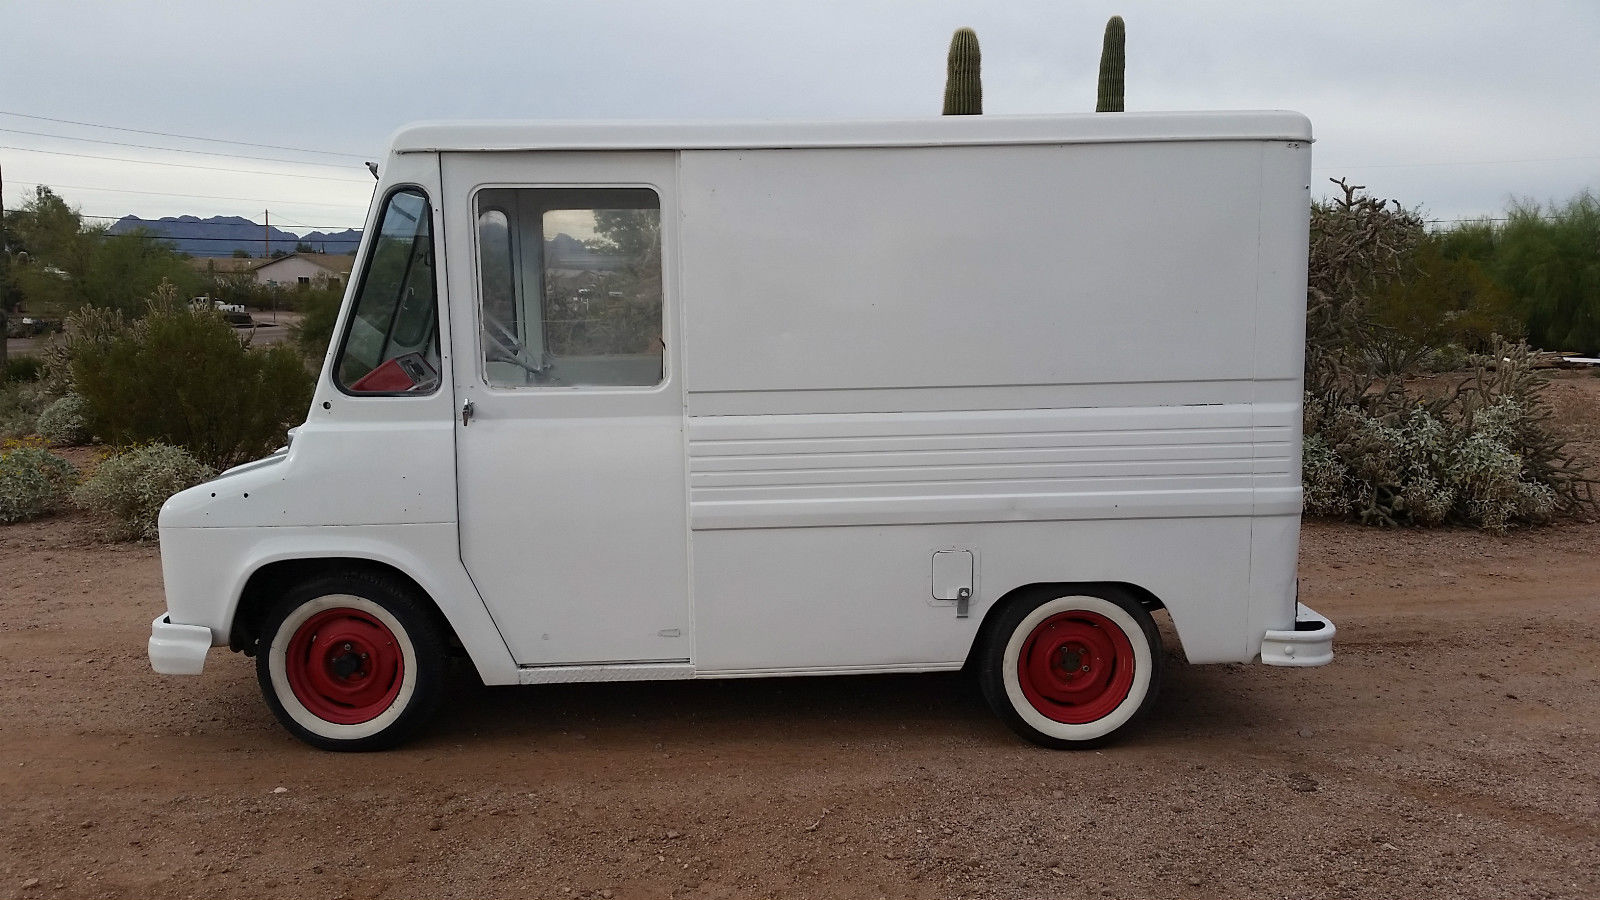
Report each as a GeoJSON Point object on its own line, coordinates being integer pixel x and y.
{"type": "Point", "coordinates": [466, 412]}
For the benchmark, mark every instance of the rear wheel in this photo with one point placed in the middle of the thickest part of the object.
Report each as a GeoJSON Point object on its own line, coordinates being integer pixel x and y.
{"type": "Point", "coordinates": [1070, 668]}
{"type": "Point", "coordinates": [350, 661]}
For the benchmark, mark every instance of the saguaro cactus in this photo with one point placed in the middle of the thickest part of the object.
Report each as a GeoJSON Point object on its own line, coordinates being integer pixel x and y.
{"type": "Point", "coordinates": [963, 90]}
{"type": "Point", "coordinates": [1111, 65]}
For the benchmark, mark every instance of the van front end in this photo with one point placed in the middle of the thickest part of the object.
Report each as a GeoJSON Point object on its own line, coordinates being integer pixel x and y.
{"type": "Point", "coordinates": [200, 565]}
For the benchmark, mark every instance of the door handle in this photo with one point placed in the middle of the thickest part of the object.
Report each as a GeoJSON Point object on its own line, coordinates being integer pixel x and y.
{"type": "Point", "coordinates": [466, 412]}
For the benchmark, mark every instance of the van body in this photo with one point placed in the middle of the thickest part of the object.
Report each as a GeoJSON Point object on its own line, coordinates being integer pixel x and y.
{"type": "Point", "coordinates": [618, 401]}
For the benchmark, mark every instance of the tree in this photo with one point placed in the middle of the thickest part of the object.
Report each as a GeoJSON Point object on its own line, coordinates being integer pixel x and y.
{"type": "Point", "coordinates": [59, 263]}
{"type": "Point", "coordinates": [1549, 258]}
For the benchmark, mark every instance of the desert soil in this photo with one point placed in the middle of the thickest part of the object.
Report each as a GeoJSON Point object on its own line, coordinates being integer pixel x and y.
{"type": "Point", "coordinates": [1451, 750]}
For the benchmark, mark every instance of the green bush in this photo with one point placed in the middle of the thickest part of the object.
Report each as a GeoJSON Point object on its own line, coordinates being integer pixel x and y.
{"type": "Point", "coordinates": [319, 312]}
{"type": "Point", "coordinates": [20, 405]}
{"type": "Point", "coordinates": [33, 482]}
{"type": "Point", "coordinates": [181, 376]}
{"type": "Point", "coordinates": [131, 486]}
{"type": "Point", "coordinates": [22, 368]}
{"type": "Point", "coordinates": [66, 421]}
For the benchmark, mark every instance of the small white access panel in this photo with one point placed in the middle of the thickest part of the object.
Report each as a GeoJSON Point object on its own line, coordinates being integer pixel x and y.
{"type": "Point", "coordinates": [952, 578]}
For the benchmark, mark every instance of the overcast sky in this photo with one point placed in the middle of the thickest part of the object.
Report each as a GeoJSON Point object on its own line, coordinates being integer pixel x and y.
{"type": "Point", "coordinates": [1456, 107]}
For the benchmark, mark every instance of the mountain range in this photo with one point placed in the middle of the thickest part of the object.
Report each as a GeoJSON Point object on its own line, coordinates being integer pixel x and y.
{"type": "Point", "coordinates": [222, 235]}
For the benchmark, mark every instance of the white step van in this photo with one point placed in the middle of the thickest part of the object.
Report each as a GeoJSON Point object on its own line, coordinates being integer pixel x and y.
{"type": "Point", "coordinates": [628, 401]}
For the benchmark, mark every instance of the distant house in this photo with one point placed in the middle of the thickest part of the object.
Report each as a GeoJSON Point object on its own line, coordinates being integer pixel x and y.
{"type": "Point", "coordinates": [321, 270]}
{"type": "Point", "coordinates": [223, 265]}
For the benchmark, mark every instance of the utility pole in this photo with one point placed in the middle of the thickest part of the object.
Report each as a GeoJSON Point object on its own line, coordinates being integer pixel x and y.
{"type": "Point", "coordinates": [266, 254]}
{"type": "Point", "coordinates": [5, 276]}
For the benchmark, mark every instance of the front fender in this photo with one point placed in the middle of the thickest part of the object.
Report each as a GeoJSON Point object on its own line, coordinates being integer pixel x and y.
{"type": "Point", "coordinates": [206, 570]}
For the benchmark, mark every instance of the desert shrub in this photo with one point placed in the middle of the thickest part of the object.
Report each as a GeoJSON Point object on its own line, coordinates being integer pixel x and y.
{"type": "Point", "coordinates": [20, 405]}
{"type": "Point", "coordinates": [66, 421]}
{"type": "Point", "coordinates": [181, 376]}
{"type": "Point", "coordinates": [130, 487]}
{"type": "Point", "coordinates": [88, 330]}
{"type": "Point", "coordinates": [1484, 451]}
{"type": "Point", "coordinates": [22, 368]}
{"type": "Point", "coordinates": [33, 481]}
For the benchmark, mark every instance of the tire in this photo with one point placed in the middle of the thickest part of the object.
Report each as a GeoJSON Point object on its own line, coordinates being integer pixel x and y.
{"type": "Point", "coordinates": [351, 661]}
{"type": "Point", "coordinates": [1111, 646]}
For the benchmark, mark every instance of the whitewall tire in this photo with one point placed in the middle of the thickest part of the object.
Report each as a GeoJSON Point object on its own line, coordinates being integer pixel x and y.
{"type": "Point", "coordinates": [350, 662]}
{"type": "Point", "coordinates": [1071, 667]}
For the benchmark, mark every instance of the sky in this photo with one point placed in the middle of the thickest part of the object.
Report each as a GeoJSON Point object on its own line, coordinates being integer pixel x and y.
{"type": "Point", "coordinates": [1456, 108]}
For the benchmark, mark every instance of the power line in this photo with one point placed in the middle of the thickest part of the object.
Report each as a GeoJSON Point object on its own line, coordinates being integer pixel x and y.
{"type": "Point", "coordinates": [148, 162]}
{"type": "Point", "coordinates": [231, 239]}
{"type": "Point", "coordinates": [187, 137]}
{"type": "Point", "coordinates": [67, 137]}
{"type": "Point", "coordinates": [82, 187]}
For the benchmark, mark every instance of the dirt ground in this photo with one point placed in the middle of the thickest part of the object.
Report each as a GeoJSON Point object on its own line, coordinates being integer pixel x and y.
{"type": "Point", "coordinates": [1452, 749]}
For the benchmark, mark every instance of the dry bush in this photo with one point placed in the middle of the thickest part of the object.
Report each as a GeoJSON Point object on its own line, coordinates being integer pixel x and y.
{"type": "Point", "coordinates": [1484, 452]}
{"type": "Point", "coordinates": [33, 481]}
{"type": "Point", "coordinates": [65, 422]}
{"type": "Point", "coordinates": [130, 487]}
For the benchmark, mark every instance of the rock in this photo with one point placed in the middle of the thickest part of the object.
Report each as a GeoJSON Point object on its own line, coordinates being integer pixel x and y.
{"type": "Point", "coordinates": [280, 790]}
{"type": "Point", "coordinates": [673, 835]}
{"type": "Point", "coordinates": [435, 825]}
{"type": "Point", "coordinates": [1306, 732]}
{"type": "Point", "coordinates": [1302, 782]}
{"type": "Point", "coordinates": [30, 883]}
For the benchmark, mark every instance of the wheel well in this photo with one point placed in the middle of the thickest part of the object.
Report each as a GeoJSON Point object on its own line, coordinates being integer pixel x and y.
{"type": "Point", "coordinates": [269, 582]}
{"type": "Point", "coordinates": [1146, 599]}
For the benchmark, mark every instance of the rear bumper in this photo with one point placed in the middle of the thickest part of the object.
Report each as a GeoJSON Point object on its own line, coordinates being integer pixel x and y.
{"type": "Point", "coordinates": [178, 649]}
{"type": "Point", "coordinates": [1309, 643]}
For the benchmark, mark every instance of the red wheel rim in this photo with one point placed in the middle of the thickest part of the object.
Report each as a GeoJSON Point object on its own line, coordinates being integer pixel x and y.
{"type": "Point", "coordinates": [344, 666]}
{"type": "Point", "coordinates": [1076, 667]}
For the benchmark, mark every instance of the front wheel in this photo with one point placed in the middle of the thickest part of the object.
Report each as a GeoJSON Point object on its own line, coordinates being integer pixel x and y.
{"type": "Point", "coordinates": [1069, 668]}
{"type": "Point", "coordinates": [350, 661]}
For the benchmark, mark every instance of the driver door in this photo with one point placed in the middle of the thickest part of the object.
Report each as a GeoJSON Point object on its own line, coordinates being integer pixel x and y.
{"type": "Point", "coordinates": [570, 448]}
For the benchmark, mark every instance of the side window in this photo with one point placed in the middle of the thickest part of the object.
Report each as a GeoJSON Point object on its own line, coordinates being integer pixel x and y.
{"type": "Point", "coordinates": [391, 343]}
{"type": "Point", "coordinates": [570, 287]}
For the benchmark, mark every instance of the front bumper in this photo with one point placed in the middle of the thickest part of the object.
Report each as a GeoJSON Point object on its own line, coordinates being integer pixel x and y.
{"type": "Point", "coordinates": [178, 649]}
{"type": "Point", "coordinates": [1309, 643]}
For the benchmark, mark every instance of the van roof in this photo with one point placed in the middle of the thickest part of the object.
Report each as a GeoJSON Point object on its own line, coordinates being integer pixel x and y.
{"type": "Point", "coordinates": [1082, 128]}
